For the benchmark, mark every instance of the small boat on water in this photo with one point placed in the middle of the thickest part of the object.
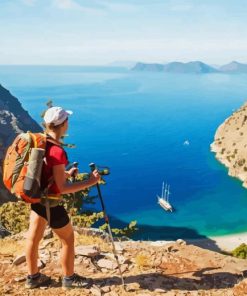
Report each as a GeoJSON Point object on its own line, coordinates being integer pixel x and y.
{"type": "Point", "coordinates": [186, 143]}
{"type": "Point", "coordinates": [163, 200]}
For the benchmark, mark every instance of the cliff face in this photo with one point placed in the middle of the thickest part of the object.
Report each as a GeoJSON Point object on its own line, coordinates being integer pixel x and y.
{"type": "Point", "coordinates": [230, 144]}
{"type": "Point", "coordinates": [13, 120]}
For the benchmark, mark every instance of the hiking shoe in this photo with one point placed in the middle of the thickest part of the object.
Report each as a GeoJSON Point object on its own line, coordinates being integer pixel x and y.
{"type": "Point", "coordinates": [77, 281]}
{"type": "Point", "coordinates": [39, 281]}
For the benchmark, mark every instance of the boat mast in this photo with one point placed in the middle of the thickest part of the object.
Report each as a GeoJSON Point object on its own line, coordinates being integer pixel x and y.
{"type": "Point", "coordinates": [162, 194]}
{"type": "Point", "coordinates": [168, 192]}
{"type": "Point", "coordinates": [165, 193]}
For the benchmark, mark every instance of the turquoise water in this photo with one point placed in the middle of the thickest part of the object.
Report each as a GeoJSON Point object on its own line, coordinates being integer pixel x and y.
{"type": "Point", "coordinates": [136, 123]}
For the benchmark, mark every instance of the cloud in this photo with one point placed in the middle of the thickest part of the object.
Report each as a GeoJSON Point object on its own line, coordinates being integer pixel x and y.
{"type": "Point", "coordinates": [29, 2]}
{"type": "Point", "coordinates": [74, 5]}
{"type": "Point", "coordinates": [181, 7]}
{"type": "Point", "coordinates": [119, 7]}
{"type": "Point", "coordinates": [65, 4]}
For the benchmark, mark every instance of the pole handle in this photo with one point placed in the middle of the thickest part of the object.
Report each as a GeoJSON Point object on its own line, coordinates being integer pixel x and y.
{"type": "Point", "coordinates": [92, 166]}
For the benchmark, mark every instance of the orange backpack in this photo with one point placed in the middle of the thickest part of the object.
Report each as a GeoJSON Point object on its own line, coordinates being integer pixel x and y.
{"type": "Point", "coordinates": [23, 164]}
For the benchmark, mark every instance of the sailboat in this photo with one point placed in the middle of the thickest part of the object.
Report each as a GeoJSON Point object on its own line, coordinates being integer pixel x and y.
{"type": "Point", "coordinates": [163, 200]}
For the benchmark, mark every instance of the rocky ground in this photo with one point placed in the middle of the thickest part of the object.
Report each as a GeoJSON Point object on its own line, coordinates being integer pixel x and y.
{"type": "Point", "coordinates": [148, 268]}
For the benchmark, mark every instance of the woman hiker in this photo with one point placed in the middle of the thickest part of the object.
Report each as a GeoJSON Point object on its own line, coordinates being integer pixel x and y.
{"type": "Point", "coordinates": [56, 125]}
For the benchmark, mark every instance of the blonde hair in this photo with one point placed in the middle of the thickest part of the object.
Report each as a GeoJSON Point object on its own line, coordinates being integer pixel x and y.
{"type": "Point", "coordinates": [51, 127]}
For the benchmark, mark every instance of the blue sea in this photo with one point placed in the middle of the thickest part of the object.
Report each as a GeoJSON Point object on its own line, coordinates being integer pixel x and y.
{"type": "Point", "coordinates": [136, 124]}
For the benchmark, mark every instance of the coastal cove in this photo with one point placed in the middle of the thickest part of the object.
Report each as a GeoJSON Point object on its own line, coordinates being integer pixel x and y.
{"type": "Point", "coordinates": [137, 124]}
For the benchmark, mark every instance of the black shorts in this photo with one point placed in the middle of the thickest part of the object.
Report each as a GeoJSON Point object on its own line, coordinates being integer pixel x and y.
{"type": "Point", "coordinates": [59, 216]}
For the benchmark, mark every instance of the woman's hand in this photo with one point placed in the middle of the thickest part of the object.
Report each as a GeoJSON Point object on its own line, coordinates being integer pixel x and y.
{"type": "Point", "coordinates": [94, 178]}
{"type": "Point", "coordinates": [64, 187]}
{"type": "Point", "coordinates": [73, 172]}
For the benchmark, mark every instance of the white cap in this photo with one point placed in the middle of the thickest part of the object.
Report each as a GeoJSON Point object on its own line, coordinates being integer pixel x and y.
{"type": "Point", "coordinates": [56, 115]}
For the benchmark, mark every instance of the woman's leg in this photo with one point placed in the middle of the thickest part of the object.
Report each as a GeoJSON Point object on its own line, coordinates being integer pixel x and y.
{"type": "Point", "coordinates": [66, 235]}
{"type": "Point", "coordinates": [35, 234]}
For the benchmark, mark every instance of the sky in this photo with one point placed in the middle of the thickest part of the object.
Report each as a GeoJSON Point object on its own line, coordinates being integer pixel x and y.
{"type": "Point", "coordinates": [99, 32]}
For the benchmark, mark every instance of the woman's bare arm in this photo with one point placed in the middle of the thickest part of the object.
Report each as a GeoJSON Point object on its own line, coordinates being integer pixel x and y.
{"type": "Point", "coordinates": [64, 187]}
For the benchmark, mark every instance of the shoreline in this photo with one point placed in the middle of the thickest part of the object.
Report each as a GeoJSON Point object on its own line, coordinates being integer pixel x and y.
{"type": "Point", "coordinates": [230, 241]}
{"type": "Point", "coordinates": [225, 243]}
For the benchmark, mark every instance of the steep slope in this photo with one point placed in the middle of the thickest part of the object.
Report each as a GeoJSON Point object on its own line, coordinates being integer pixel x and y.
{"type": "Point", "coordinates": [230, 144]}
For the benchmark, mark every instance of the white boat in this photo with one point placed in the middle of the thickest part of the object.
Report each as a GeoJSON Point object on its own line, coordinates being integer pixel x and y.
{"type": "Point", "coordinates": [163, 200]}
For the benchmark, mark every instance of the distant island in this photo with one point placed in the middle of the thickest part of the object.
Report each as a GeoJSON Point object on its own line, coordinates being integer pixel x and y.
{"type": "Point", "coordinates": [194, 67]}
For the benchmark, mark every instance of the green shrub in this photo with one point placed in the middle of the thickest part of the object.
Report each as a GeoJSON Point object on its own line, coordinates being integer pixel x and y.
{"type": "Point", "coordinates": [245, 118]}
{"type": "Point", "coordinates": [241, 162]}
{"type": "Point", "coordinates": [126, 231]}
{"type": "Point", "coordinates": [240, 251]}
{"type": "Point", "coordinates": [228, 158]}
{"type": "Point", "coordinates": [14, 216]}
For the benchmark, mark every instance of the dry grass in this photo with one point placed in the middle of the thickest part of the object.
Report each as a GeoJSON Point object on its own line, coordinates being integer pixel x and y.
{"type": "Point", "coordinates": [11, 247]}
{"type": "Point", "coordinates": [142, 260]}
{"type": "Point", "coordinates": [240, 289]}
{"type": "Point", "coordinates": [90, 240]}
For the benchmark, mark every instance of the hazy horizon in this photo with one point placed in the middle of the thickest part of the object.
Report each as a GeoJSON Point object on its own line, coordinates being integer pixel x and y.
{"type": "Point", "coordinates": [122, 62]}
{"type": "Point", "coordinates": [99, 32]}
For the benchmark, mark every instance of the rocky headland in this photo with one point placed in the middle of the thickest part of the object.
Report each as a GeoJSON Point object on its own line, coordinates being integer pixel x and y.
{"type": "Point", "coordinates": [230, 144]}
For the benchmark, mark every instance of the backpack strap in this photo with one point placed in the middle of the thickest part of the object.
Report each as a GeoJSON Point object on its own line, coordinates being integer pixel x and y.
{"type": "Point", "coordinates": [52, 140]}
{"type": "Point", "coordinates": [39, 139]}
{"type": "Point", "coordinates": [47, 203]}
{"type": "Point", "coordinates": [48, 211]}
{"type": "Point", "coordinates": [48, 198]}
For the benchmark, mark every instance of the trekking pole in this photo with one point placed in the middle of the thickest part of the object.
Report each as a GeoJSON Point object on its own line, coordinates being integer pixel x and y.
{"type": "Point", "coordinates": [93, 167]}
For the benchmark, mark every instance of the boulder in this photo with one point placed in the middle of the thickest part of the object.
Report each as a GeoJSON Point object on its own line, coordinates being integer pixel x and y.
{"type": "Point", "coordinates": [181, 242]}
{"type": "Point", "coordinates": [107, 264]}
{"type": "Point", "coordinates": [88, 251]}
{"type": "Point", "coordinates": [3, 231]}
{"type": "Point", "coordinates": [95, 291]}
{"type": "Point", "coordinates": [19, 260]}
